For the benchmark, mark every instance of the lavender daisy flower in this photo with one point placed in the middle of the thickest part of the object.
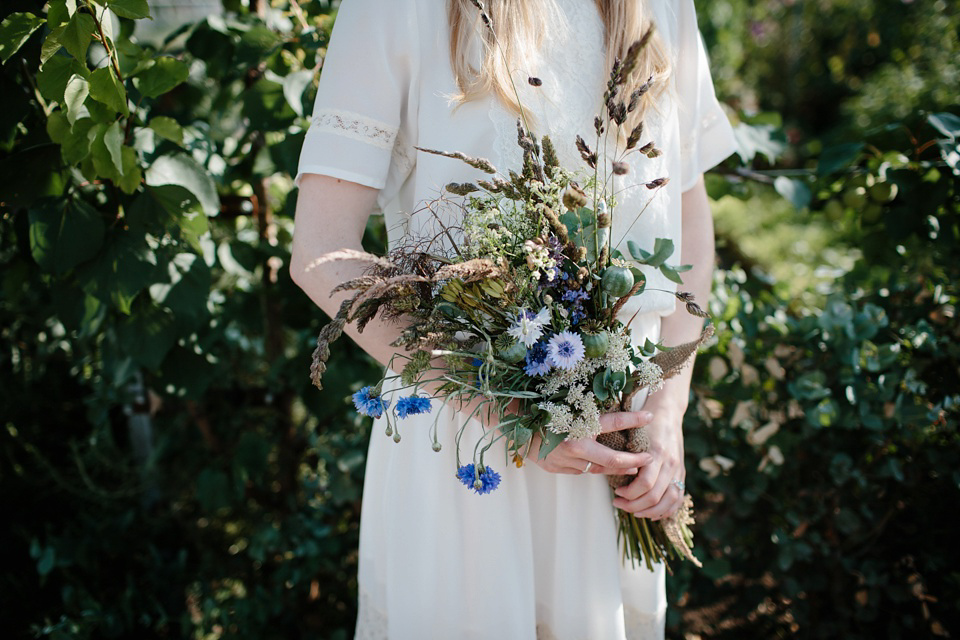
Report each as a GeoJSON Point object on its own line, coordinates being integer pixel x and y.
{"type": "Point", "coordinates": [412, 405]}
{"type": "Point", "coordinates": [538, 362]}
{"type": "Point", "coordinates": [369, 404]}
{"type": "Point", "coordinates": [565, 350]}
{"type": "Point", "coordinates": [528, 327]}
{"type": "Point", "coordinates": [483, 481]}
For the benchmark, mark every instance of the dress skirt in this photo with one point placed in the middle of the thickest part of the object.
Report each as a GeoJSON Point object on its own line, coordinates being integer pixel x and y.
{"type": "Point", "coordinates": [538, 558]}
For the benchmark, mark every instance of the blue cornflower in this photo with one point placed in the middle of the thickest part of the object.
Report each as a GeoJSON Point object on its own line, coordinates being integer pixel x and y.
{"type": "Point", "coordinates": [369, 404]}
{"type": "Point", "coordinates": [484, 481]}
{"type": "Point", "coordinates": [412, 405]}
{"type": "Point", "coordinates": [538, 364]}
{"type": "Point", "coordinates": [565, 350]}
{"type": "Point", "coordinates": [575, 296]}
{"type": "Point", "coordinates": [577, 316]}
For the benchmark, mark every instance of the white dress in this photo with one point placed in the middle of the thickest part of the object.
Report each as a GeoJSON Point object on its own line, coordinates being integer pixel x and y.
{"type": "Point", "coordinates": [538, 557]}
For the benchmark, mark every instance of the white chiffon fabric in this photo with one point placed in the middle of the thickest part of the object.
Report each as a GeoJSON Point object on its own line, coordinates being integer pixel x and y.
{"type": "Point", "coordinates": [538, 557]}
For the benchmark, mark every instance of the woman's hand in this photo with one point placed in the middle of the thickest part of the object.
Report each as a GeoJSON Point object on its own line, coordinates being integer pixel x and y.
{"type": "Point", "coordinates": [653, 494]}
{"type": "Point", "coordinates": [588, 455]}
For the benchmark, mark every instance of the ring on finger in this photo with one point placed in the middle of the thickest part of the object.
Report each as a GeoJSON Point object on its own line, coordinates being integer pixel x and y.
{"type": "Point", "coordinates": [586, 469]}
{"type": "Point", "coordinates": [679, 485]}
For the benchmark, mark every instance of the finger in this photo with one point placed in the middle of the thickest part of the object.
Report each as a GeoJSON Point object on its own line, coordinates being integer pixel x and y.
{"type": "Point", "coordinates": [649, 499]}
{"type": "Point", "coordinates": [645, 481]}
{"type": "Point", "coordinates": [669, 505]}
{"type": "Point", "coordinates": [593, 451]}
{"type": "Point", "coordinates": [621, 420]}
{"type": "Point", "coordinates": [599, 469]}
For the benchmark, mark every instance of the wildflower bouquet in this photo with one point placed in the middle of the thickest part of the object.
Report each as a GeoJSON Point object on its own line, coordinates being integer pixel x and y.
{"type": "Point", "coordinates": [515, 312]}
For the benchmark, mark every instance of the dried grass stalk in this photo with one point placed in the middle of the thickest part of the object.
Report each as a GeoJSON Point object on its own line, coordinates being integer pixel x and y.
{"type": "Point", "coordinates": [477, 163]}
{"type": "Point", "coordinates": [384, 288]}
{"type": "Point", "coordinates": [363, 283]}
{"type": "Point", "coordinates": [469, 271]}
{"type": "Point", "coordinates": [328, 335]}
{"type": "Point", "coordinates": [349, 254]}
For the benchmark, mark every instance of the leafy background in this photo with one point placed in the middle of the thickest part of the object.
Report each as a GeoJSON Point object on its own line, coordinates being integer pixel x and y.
{"type": "Point", "coordinates": [167, 471]}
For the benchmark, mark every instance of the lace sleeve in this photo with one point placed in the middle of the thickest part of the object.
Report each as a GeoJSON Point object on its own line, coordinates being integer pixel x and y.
{"type": "Point", "coordinates": [706, 137]}
{"type": "Point", "coordinates": [365, 93]}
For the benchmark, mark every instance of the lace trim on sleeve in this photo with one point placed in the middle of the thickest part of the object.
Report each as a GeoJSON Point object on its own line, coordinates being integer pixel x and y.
{"type": "Point", "coordinates": [355, 126]}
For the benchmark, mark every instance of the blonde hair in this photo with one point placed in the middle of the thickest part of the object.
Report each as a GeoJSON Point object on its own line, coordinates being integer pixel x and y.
{"type": "Point", "coordinates": [624, 21]}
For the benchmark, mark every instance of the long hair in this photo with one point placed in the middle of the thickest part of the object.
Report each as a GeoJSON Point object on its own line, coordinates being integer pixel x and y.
{"type": "Point", "coordinates": [519, 32]}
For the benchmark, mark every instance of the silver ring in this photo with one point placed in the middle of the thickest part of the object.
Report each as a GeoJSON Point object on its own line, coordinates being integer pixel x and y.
{"type": "Point", "coordinates": [587, 468]}
{"type": "Point", "coordinates": [679, 485]}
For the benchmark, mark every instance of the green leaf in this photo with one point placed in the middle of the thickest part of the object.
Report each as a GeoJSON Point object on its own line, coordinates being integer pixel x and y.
{"type": "Point", "coordinates": [167, 127]}
{"type": "Point", "coordinates": [662, 249]}
{"type": "Point", "coordinates": [106, 89]}
{"type": "Point", "coordinates": [102, 159]}
{"type": "Point", "coordinates": [838, 157]}
{"type": "Point", "coordinates": [77, 34]}
{"type": "Point", "coordinates": [550, 441]}
{"type": "Point", "coordinates": [180, 170]}
{"type": "Point", "coordinates": [133, 9]}
{"type": "Point", "coordinates": [637, 253]}
{"type": "Point", "coordinates": [763, 139]}
{"type": "Point", "coordinates": [946, 123]}
{"type": "Point", "coordinates": [185, 294]}
{"type": "Point", "coordinates": [796, 191]}
{"type": "Point", "coordinates": [51, 44]}
{"type": "Point", "coordinates": [599, 388]}
{"type": "Point", "coordinates": [165, 74]}
{"type": "Point", "coordinates": [123, 269]}
{"type": "Point", "coordinates": [294, 84]}
{"type": "Point", "coordinates": [59, 12]}
{"type": "Point", "coordinates": [130, 174]}
{"type": "Point", "coordinates": [113, 141]}
{"type": "Point", "coordinates": [64, 233]}
{"type": "Point", "coordinates": [16, 29]}
{"type": "Point", "coordinates": [213, 490]}
{"type": "Point", "coordinates": [54, 74]}
{"type": "Point", "coordinates": [147, 336]}
{"type": "Point", "coordinates": [74, 95]}
{"type": "Point", "coordinates": [58, 128]}
{"type": "Point", "coordinates": [671, 274]}
{"type": "Point", "coordinates": [76, 146]}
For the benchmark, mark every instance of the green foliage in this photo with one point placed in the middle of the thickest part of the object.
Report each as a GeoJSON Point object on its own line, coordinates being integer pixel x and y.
{"type": "Point", "coordinates": [828, 440]}
{"type": "Point", "coordinates": [172, 471]}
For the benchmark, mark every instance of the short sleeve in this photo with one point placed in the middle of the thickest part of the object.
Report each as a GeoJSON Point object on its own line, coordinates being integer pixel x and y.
{"type": "Point", "coordinates": [364, 92]}
{"type": "Point", "coordinates": [706, 137]}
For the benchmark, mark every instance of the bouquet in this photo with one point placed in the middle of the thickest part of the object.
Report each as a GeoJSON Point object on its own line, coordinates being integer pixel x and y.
{"type": "Point", "coordinates": [514, 312]}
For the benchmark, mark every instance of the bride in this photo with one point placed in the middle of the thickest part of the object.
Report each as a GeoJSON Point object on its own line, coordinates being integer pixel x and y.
{"type": "Point", "coordinates": [539, 557]}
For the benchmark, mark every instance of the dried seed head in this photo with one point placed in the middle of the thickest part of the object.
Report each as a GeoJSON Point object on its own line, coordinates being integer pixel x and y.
{"type": "Point", "coordinates": [603, 221]}
{"type": "Point", "coordinates": [534, 81]}
{"type": "Point", "coordinates": [634, 136]}
{"type": "Point", "coordinates": [657, 183]}
{"type": "Point", "coordinates": [574, 198]}
{"type": "Point", "coordinates": [461, 188]}
{"type": "Point", "coordinates": [621, 168]}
